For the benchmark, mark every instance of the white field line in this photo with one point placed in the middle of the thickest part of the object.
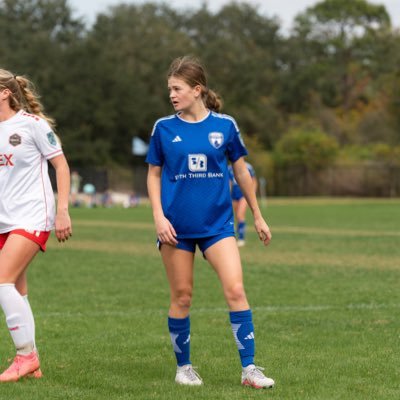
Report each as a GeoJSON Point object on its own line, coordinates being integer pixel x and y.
{"type": "Point", "coordinates": [216, 310]}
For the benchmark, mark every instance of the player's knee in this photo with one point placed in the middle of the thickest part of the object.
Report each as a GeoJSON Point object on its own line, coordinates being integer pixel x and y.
{"type": "Point", "coordinates": [235, 293]}
{"type": "Point", "coordinates": [183, 298]}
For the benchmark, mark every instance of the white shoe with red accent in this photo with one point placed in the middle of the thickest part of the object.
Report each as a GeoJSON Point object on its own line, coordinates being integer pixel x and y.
{"type": "Point", "coordinates": [186, 375]}
{"type": "Point", "coordinates": [254, 377]}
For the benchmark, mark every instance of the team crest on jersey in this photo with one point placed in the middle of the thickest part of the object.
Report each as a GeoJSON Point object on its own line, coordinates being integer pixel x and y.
{"type": "Point", "coordinates": [15, 139]}
{"type": "Point", "coordinates": [52, 138]}
{"type": "Point", "coordinates": [197, 162]}
{"type": "Point", "coordinates": [216, 139]}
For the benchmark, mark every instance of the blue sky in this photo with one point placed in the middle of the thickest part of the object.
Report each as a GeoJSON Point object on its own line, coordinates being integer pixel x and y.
{"type": "Point", "coordinates": [285, 10]}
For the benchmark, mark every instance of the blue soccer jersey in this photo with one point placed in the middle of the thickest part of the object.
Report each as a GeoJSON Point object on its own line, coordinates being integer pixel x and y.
{"type": "Point", "coordinates": [195, 191]}
{"type": "Point", "coordinates": [236, 193]}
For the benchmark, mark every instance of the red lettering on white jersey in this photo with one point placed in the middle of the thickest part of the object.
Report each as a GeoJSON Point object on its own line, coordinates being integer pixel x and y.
{"type": "Point", "coordinates": [26, 195]}
{"type": "Point", "coordinates": [35, 117]}
{"type": "Point", "coordinates": [5, 160]}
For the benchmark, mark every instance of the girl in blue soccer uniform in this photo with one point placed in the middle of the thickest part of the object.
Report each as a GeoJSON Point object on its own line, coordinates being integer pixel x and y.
{"type": "Point", "coordinates": [188, 185]}
{"type": "Point", "coordinates": [239, 203]}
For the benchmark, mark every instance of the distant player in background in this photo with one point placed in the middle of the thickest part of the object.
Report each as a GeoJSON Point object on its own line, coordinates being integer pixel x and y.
{"type": "Point", "coordinates": [188, 185]}
{"type": "Point", "coordinates": [75, 186]}
{"type": "Point", "coordinates": [27, 209]}
{"type": "Point", "coordinates": [239, 204]}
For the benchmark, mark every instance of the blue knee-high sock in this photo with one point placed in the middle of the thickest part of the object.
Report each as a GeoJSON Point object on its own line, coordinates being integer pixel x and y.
{"type": "Point", "coordinates": [243, 332]}
{"type": "Point", "coordinates": [241, 230]}
{"type": "Point", "coordinates": [179, 330]}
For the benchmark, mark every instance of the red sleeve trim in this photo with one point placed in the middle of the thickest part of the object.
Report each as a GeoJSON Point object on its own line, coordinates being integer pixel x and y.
{"type": "Point", "coordinates": [53, 154]}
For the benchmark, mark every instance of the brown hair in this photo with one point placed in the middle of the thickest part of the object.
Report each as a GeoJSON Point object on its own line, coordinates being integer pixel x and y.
{"type": "Point", "coordinates": [191, 71]}
{"type": "Point", "coordinates": [23, 95]}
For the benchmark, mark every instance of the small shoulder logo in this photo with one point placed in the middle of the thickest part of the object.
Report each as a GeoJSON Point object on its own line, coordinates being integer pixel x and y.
{"type": "Point", "coordinates": [15, 139]}
{"type": "Point", "coordinates": [216, 139]}
{"type": "Point", "coordinates": [52, 138]}
{"type": "Point", "coordinates": [177, 139]}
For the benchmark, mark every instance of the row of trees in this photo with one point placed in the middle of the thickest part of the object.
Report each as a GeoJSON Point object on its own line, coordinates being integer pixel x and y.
{"type": "Point", "coordinates": [335, 78]}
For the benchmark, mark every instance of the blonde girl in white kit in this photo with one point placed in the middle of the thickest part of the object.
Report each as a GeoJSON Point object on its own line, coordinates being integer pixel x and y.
{"type": "Point", "coordinates": [27, 209]}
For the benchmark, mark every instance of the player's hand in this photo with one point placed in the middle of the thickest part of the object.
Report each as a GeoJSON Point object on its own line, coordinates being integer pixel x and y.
{"type": "Point", "coordinates": [165, 232]}
{"type": "Point", "coordinates": [263, 230]}
{"type": "Point", "coordinates": [63, 226]}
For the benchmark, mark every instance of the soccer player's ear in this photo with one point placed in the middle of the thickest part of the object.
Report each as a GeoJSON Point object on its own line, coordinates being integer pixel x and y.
{"type": "Point", "coordinates": [5, 93]}
{"type": "Point", "coordinates": [197, 91]}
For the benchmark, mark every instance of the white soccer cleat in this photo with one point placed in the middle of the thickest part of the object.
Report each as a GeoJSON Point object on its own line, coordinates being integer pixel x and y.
{"type": "Point", "coordinates": [186, 375]}
{"type": "Point", "coordinates": [254, 377]}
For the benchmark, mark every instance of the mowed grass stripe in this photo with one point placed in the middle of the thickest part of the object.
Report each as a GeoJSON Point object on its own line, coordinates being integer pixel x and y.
{"type": "Point", "coordinates": [269, 257]}
{"type": "Point", "coordinates": [327, 201]}
{"type": "Point", "coordinates": [277, 229]}
{"type": "Point", "coordinates": [333, 232]}
{"type": "Point", "coordinates": [113, 224]}
{"type": "Point", "coordinates": [281, 309]}
{"type": "Point", "coordinates": [105, 246]}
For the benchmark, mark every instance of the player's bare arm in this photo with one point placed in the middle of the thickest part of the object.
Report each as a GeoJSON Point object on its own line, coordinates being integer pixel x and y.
{"type": "Point", "coordinates": [63, 227]}
{"type": "Point", "coordinates": [165, 231]}
{"type": "Point", "coordinates": [246, 184]}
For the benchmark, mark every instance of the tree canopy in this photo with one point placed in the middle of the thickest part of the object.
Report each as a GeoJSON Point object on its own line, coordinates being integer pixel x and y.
{"type": "Point", "coordinates": [336, 71]}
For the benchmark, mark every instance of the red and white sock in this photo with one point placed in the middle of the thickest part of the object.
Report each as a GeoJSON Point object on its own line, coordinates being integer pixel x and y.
{"type": "Point", "coordinates": [31, 319]}
{"type": "Point", "coordinates": [17, 317]}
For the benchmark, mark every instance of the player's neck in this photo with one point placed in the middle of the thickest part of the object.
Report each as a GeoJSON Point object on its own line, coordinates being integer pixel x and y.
{"type": "Point", "coordinates": [6, 113]}
{"type": "Point", "coordinates": [196, 113]}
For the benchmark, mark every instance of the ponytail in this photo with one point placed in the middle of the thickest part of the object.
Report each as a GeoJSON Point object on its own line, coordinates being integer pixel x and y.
{"type": "Point", "coordinates": [23, 95]}
{"type": "Point", "coordinates": [31, 99]}
{"type": "Point", "coordinates": [212, 100]}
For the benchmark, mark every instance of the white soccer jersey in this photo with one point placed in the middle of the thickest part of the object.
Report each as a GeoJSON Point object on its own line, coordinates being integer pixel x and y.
{"type": "Point", "coordinates": [26, 195]}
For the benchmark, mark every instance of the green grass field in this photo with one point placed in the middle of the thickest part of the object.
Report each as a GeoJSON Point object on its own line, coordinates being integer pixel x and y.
{"type": "Point", "coordinates": [325, 296]}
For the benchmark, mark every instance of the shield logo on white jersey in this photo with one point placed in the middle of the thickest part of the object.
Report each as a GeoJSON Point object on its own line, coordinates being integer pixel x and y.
{"type": "Point", "coordinates": [197, 162]}
{"type": "Point", "coordinates": [216, 139]}
{"type": "Point", "coordinates": [15, 139]}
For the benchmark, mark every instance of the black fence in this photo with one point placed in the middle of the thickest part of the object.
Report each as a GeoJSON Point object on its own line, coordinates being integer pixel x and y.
{"type": "Point", "coordinates": [372, 180]}
{"type": "Point", "coordinates": [96, 176]}
{"type": "Point", "coordinates": [115, 179]}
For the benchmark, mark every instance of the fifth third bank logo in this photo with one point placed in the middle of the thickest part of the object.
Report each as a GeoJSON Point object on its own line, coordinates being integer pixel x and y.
{"type": "Point", "coordinates": [197, 162]}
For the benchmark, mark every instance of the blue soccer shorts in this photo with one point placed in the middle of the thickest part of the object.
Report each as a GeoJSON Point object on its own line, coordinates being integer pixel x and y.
{"type": "Point", "coordinates": [204, 243]}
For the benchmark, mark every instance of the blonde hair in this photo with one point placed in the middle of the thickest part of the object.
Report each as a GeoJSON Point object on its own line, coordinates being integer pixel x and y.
{"type": "Point", "coordinates": [190, 70]}
{"type": "Point", "coordinates": [23, 95]}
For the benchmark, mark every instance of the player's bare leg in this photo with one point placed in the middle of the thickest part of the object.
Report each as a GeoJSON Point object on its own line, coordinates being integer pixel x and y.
{"type": "Point", "coordinates": [225, 259]}
{"type": "Point", "coordinates": [15, 256]}
{"type": "Point", "coordinates": [179, 268]}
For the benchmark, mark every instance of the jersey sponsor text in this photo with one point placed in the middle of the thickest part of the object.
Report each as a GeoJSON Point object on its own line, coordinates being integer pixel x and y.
{"type": "Point", "coordinates": [5, 160]}
{"type": "Point", "coordinates": [198, 175]}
